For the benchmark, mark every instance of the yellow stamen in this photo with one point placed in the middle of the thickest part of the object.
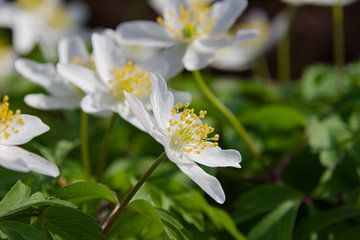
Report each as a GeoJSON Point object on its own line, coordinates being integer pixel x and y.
{"type": "Point", "coordinates": [192, 22]}
{"type": "Point", "coordinates": [188, 133]}
{"type": "Point", "coordinates": [131, 79]}
{"type": "Point", "coordinates": [8, 119]}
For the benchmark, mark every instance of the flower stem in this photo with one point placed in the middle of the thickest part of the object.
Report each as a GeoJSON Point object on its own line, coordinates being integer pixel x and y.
{"type": "Point", "coordinates": [283, 50]}
{"type": "Point", "coordinates": [228, 114]}
{"type": "Point", "coordinates": [105, 147]}
{"type": "Point", "coordinates": [338, 33]}
{"type": "Point", "coordinates": [84, 138]}
{"type": "Point", "coordinates": [111, 219]}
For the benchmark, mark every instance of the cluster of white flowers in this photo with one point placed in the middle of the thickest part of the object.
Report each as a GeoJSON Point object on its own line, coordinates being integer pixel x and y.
{"type": "Point", "coordinates": [126, 74]}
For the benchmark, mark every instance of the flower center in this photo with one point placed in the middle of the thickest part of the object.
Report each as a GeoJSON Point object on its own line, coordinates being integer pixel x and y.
{"type": "Point", "coordinates": [189, 23]}
{"type": "Point", "coordinates": [8, 119]}
{"type": "Point", "coordinates": [131, 79]}
{"type": "Point", "coordinates": [55, 14]}
{"type": "Point", "coordinates": [187, 131]}
{"type": "Point", "coordinates": [30, 4]}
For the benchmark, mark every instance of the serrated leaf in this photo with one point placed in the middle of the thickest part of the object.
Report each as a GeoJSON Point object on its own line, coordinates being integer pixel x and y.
{"type": "Point", "coordinates": [173, 228]}
{"type": "Point", "coordinates": [19, 199]}
{"type": "Point", "coordinates": [84, 191]}
{"type": "Point", "coordinates": [278, 224]}
{"type": "Point", "coordinates": [71, 224]}
{"type": "Point", "coordinates": [262, 199]}
{"type": "Point", "coordinates": [20, 231]}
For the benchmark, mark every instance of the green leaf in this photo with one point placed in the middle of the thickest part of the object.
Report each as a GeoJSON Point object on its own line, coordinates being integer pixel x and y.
{"type": "Point", "coordinates": [71, 224]}
{"type": "Point", "coordinates": [262, 199]}
{"type": "Point", "coordinates": [140, 221]}
{"type": "Point", "coordinates": [19, 198]}
{"type": "Point", "coordinates": [194, 201]}
{"type": "Point", "coordinates": [173, 229]}
{"type": "Point", "coordinates": [222, 220]}
{"type": "Point", "coordinates": [20, 231]}
{"type": "Point", "coordinates": [324, 219]}
{"type": "Point", "coordinates": [84, 191]}
{"type": "Point", "coordinates": [278, 224]}
{"type": "Point", "coordinates": [274, 116]}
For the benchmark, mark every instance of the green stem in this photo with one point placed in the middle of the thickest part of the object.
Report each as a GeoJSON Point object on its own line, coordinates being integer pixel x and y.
{"type": "Point", "coordinates": [228, 114]}
{"type": "Point", "coordinates": [105, 147]}
{"type": "Point", "coordinates": [283, 50]}
{"type": "Point", "coordinates": [338, 33]}
{"type": "Point", "coordinates": [119, 208]}
{"type": "Point", "coordinates": [84, 138]}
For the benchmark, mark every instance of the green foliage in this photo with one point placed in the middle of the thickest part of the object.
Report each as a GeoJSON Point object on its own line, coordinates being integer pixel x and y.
{"type": "Point", "coordinates": [84, 191]}
{"type": "Point", "coordinates": [71, 224]}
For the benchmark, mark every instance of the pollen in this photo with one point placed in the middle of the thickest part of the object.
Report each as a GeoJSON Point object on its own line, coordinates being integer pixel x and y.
{"type": "Point", "coordinates": [9, 120]}
{"type": "Point", "coordinates": [132, 79]}
{"type": "Point", "coordinates": [188, 23]}
{"type": "Point", "coordinates": [188, 132]}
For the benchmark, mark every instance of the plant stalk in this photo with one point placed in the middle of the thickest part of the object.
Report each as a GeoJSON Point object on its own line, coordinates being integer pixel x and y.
{"type": "Point", "coordinates": [105, 148]}
{"type": "Point", "coordinates": [338, 33]}
{"type": "Point", "coordinates": [84, 139]}
{"type": "Point", "coordinates": [283, 49]}
{"type": "Point", "coordinates": [119, 208]}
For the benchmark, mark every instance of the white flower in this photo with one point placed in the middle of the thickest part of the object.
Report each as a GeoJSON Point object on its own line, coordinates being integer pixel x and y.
{"type": "Point", "coordinates": [62, 93]}
{"type": "Point", "coordinates": [199, 27]}
{"type": "Point", "coordinates": [117, 74]}
{"type": "Point", "coordinates": [185, 137]}
{"type": "Point", "coordinates": [239, 56]}
{"type": "Point", "coordinates": [41, 22]}
{"type": "Point", "coordinates": [319, 2]}
{"type": "Point", "coordinates": [17, 129]}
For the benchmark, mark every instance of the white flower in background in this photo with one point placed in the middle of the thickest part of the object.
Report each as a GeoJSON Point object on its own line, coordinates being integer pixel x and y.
{"type": "Point", "coordinates": [7, 58]}
{"type": "Point", "coordinates": [41, 22]}
{"type": "Point", "coordinates": [197, 28]}
{"type": "Point", "coordinates": [117, 73]}
{"type": "Point", "coordinates": [62, 93]}
{"type": "Point", "coordinates": [319, 2]}
{"type": "Point", "coordinates": [239, 56]}
{"type": "Point", "coordinates": [17, 129]}
{"type": "Point", "coordinates": [186, 139]}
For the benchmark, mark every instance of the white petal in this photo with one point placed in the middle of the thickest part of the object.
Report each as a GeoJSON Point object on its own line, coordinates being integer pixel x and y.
{"type": "Point", "coordinates": [225, 14]}
{"type": "Point", "coordinates": [144, 33]}
{"type": "Point", "coordinates": [72, 47]}
{"type": "Point", "coordinates": [8, 13]}
{"type": "Point", "coordinates": [18, 159]}
{"type": "Point", "coordinates": [140, 112]}
{"type": "Point", "coordinates": [162, 101]}
{"type": "Point", "coordinates": [25, 33]}
{"type": "Point", "coordinates": [44, 102]}
{"type": "Point", "coordinates": [196, 60]}
{"type": "Point", "coordinates": [43, 74]}
{"type": "Point", "coordinates": [32, 127]}
{"type": "Point", "coordinates": [216, 157]}
{"type": "Point", "coordinates": [107, 55]}
{"type": "Point", "coordinates": [85, 79]}
{"type": "Point", "coordinates": [159, 5]}
{"type": "Point", "coordinates": [205, 181]}
{"type": "Point", "coordinates": [181, 97]}
{"type": "Point", "coordinates": [279, 27]}
{"type": "Point", "coordinates": [168, 63]}
{"type": "Point", "coordinates": [99, 102]}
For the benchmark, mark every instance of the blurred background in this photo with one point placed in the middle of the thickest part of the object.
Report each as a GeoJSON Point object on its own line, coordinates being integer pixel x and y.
{"type": "Point", "coordinates": [311, 32]}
